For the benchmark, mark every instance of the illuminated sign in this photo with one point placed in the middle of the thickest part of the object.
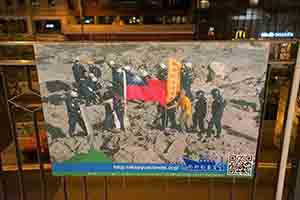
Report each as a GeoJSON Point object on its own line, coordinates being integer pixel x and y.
{"type": "Point", "coordinates": [277, 34]}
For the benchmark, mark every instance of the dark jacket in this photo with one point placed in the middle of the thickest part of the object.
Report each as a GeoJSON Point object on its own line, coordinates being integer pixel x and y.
{"type": "Point", "coordinates": [218, 107]}
{"type": "Point", "coordinates": [78, 71]}
{"type": "Point", "coordinates": [201, 107]}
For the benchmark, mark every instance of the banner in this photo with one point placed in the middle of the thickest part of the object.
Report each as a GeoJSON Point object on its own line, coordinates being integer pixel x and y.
{"type": "Point", "coordinates": [152, 108]}
{"type": "Point", "coordinates": [173, 81]}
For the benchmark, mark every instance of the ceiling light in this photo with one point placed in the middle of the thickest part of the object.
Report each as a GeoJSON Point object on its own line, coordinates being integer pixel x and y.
{"type": "Point", "coordinates": [204, 4]}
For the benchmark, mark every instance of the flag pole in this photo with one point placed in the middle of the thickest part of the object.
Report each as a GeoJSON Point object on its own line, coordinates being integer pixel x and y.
{"type": "Point", "coordinates": [125, 100]}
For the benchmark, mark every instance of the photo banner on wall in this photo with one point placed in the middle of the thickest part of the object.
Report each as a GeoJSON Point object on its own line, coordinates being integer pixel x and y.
{"type": "Point", "coordinates": [153, 108]}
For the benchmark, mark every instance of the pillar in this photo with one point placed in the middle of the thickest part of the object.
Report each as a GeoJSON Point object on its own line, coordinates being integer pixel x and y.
{"type": "Point", "coordinates": [29, 21]}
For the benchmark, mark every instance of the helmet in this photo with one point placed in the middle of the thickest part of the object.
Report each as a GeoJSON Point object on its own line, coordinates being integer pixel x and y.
{"type": "Point", "coordinates": [200, 93]}
{"type": "Point", "coordinates": [91, 75]}
{"type": "Point", "coordinates": [215, 92]}
{"type": "Point", "coordinates": [163, 66]}
{"type": "Point", "coordinates": [127, 68]}
{"type": "Point", "coordinates": [119, 70]}
{"type": "Point", "coordinates": [94, 79]}
{"type": "Point", "coordinates": [74, 93]}
{"type": "Point", "coordinates": [144, 73]}
{"type": "Point", "coordinates": [111, 62]}
{"type": "Point", "coordinates": [188, 64]}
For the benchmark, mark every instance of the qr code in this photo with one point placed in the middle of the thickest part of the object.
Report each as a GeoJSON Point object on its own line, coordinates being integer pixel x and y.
{"type": "Point", "coordinates": [240, 165]}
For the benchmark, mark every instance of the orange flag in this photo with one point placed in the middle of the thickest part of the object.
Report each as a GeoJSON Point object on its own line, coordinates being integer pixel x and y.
{"type": "Point", "coordinates": [173, 82]}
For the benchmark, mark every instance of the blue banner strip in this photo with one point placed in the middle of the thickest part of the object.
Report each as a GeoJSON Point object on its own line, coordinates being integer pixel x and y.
{"type": "Point", "coordinates": [130, 168]}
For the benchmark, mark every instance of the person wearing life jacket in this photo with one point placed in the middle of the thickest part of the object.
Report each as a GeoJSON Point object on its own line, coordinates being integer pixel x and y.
{"type": "Point", "coordinates": [185, 106]}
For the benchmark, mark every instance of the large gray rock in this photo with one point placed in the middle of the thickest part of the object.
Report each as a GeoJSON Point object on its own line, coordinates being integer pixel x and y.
{"type": "Point", "coordinates": [83, 145]}
{"type": "Point", "coordinates": [148, 156]}
{"type": "Point", "coordinates": [60, 152]}
{"type": "Point", "coordinates": [123, 156]}
{"type": "Point", "coordinates": [176, 150]}
{"type": "Point", "coordinates": [97, 142]}
{"type": "Point", "coordinates": [161, 144]}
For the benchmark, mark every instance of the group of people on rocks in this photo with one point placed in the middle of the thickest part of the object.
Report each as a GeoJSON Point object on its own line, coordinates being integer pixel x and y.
{"type": "Point", "coordinates": [193, 108]}
{"type": "Point", "coordinates": [88, 90]}
{"type": "Point", "coordinates": [85, 92]}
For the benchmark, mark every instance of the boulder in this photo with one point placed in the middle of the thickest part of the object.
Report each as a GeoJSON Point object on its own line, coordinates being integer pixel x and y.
{"type": "Point", "coordinates": [123, 156]}
{"type": "Point", "coordinates": [161, 144]}
{"type": "Point", "coordinates": [83, 145]}
{"type": "Point", "coordinates": [60, 152]}
{"type": "Point", "coordinates": [148, 156]}
{"type": "Point", "coordinates": [176, 149]}
{"type": "Point", "coordinates": [97, 142]}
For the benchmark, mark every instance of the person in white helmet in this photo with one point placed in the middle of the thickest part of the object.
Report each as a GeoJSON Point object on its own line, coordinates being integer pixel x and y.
{"type": "Point", "coordinates": [187, 78]}
{"type": "Point", "coordinates": [146, 76]}
{"type": "Point", "coordinates": [93, 68]}
{"type": "Point", "coordinates": [111, 63]}
{"type": "Point", "coordinates": [79, 72]}
{"type": "Point", "coordinates": [162, 72]}
{"type": "Point", "coordinates": [127, 68]}
{"type": "Point", "coordinates": [73, 102]}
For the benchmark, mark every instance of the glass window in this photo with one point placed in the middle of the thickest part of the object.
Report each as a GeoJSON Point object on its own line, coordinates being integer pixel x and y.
{"type": "Point", "coordinates": [51, 3]}
{"type": "Point", "coordinates": [3, 26]}
{"type": "Point", "coordinates": [85, 20]}
{"type": "Point", "coordinates": [177, 20]}
{"type": "Point", "coordinates": [48, 26]}
{"type": "Point", "coordinates": [35, 3]}
{"type": "Point", "coordinates": [105, 19]}
{"type": "Point", "coordinates": [9, 52]}
{"type": "Point", "coordinates": [132, 20]}
{"type": "Point", "coordinates": [88, 20]}
{"type": "Point", "coordinates": [153, 19]}
{"type": "Point", "coordinates": [16, 26]}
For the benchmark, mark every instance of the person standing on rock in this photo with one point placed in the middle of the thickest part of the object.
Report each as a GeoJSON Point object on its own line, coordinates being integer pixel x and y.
{"type": "Point", "coordinates": [187, 78]}
{"type": "Point", "coordinates": [117, 78]}
{"type": "Point", "coordinates": [74, 114]}
{"type": "Point", "coordinates": [111, 121]}
{"type": "Point", "coordinates": [218, 106]}
{"type": "Point", "coordinates": [118, 108]}
{"type": "Point", "coordinates": [162, 112]}
{"type": "Point", "coordinates": [79, 72]}
{"type": "Point", "coordinates": [169, 114]}
{"type": "Point", "coordinates": [200, 111]}
{"type": "Point", "coordinates": [118, 93]}
{"type": "Point", "coordinates": [94, 69]}
{"type": "Point", "coordinates": [186, 112]}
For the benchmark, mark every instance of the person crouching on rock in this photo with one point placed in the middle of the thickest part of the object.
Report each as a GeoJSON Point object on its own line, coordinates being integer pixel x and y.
{"type": "Point", "coordinates": [185, 117]}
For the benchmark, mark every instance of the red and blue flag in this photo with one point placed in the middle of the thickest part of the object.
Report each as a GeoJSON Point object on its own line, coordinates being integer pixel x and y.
{"type": "Point", "coordinates": [148, 90]}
